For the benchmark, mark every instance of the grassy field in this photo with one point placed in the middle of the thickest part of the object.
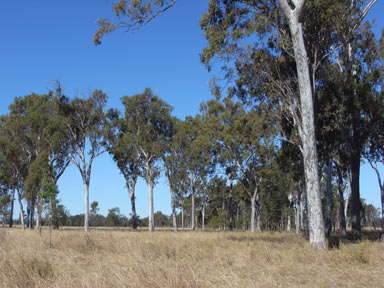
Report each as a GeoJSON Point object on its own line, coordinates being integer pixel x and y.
{"type": "Point", "coordinates": [185, 259]}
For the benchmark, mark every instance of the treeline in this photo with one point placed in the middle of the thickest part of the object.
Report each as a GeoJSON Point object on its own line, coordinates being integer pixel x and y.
{"type": "Point", "coordinates": [279, 149]}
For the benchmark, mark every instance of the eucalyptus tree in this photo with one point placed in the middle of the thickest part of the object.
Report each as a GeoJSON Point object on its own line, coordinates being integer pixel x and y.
{"type": "Point", "coordinates": [222, 118]}
{"type": "Point", "coordinates": [40, 182]}
{"type": "Point", "coordinates": [357, 70]}
{"type": "Point", "coordinates": [85, 122]}
{"type": "Point", "coordinates": [148, 129]}
{"type": "Point", "coordinates": [195, 144]}
{"type": "Point", "coordinates": [123, 150]}
{"type": "Point", "coordinates": [35, 126]}
{"type": "Point", "coordinates": [174, 166]}
{"type": "Point", "coordinates": [13, 161]}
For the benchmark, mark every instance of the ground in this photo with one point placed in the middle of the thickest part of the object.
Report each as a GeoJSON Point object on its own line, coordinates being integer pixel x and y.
{"type": "Point", "coordinates": [123, 258]}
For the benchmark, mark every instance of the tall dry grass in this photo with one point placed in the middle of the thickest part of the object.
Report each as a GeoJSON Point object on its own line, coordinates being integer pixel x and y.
{"type": "Point", "coordinates": [184, 259]}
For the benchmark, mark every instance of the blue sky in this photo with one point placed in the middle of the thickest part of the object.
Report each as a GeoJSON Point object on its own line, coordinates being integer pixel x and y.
{"type": "Point", "coordinates": [45, 40]}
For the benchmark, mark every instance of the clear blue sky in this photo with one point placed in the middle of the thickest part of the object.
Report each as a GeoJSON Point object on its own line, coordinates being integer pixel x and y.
{"type": "Point", "coordinates": [44, 40]}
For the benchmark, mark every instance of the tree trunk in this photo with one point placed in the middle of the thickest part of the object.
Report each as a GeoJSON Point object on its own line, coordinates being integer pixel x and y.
{"type": "Point", "coordinates": [297, 218]}
{"type": "Point", "coordinates": [21, 209]}
{"type": "Point", "coordinates": [328, 199]}
{"type": "Point", "coordinates": [133, 206]}
{"type": "Point", "coordinates": [258, 220]}
{"type": "Point", "coordinates": [173, 206]}
{"type": "Point", "coordinates": [28, 213]}
{"type": "Point", "coordinates": [230, 203]}
{"type": "Point", "coordinates": [193, 226]}
{"type": "Point", "coordinates": [151, 220]}
{"type": "Point", "coordinates": [86, 205]}
{"type": "Point", "coordinates": [253, 212]}
{"type": "Point", "coordinates": [349, 192]}
{"type": "Point", "coordinates": [39, 212]}
{"type": "Point", "coordinates": [132, 197]}
{"type": "Point", "coordinates": [182, 215]}
{"type": "Point", "coordinates": [203, 217]}
{"type": "Point", "coordinates": [355, 192]}
{"type": "Point", "coordinates": [289, 223]}
{"type": "Point", "coordinates": [342, 223]}
{"type": "Point", "coordinates": [11, 212]}
{"type": "Point", "coordinates": [315, 214]}
{"type": "Point", "coordinates": [31, 215]}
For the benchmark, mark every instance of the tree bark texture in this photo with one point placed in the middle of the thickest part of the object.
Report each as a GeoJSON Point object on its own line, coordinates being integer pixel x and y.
{"type": "Point", "coordinates": [86, 205]}
{"type": "Point", "coordinates": [342, 222]}
{"type": "Point", "coordinates": [11, 212]}
{"type": "Point", "coordinates": [21, 210]}
{"type": "Point", "coordinates": [193, 224]}
{"type": "Point", "coordinates": [151, 220]}
{"type": "Point", "coordinates": [173, 206]}
{"type": "Point", "coordinates": [315, 214]}
{"type": "Point", "coordinates": [133, 207]}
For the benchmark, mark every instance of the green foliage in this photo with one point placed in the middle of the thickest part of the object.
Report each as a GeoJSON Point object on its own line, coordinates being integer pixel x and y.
{"type": "Point", "coordinates": [147, 127]}
{"type": "Point", "coordinates": [132, 15]}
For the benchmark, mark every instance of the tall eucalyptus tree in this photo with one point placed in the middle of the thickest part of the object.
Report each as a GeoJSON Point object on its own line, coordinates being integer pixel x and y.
{"type": "Point", "coordinates": [86, 121]}
{"type": "Point", "coordinates": [148, 125]}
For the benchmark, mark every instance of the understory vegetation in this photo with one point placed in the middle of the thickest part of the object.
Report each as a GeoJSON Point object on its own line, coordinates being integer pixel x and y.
{"type": "Point", "coordinates": [185, 259]}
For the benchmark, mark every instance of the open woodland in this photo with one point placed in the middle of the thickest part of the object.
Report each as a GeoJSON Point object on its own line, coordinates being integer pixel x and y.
{"type": "Point", "coordinates": [264, 181]}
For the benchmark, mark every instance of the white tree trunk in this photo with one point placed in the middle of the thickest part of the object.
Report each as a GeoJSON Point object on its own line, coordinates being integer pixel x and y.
{"type": "Point", "coordinates": [86, 206]}
{"type": "Point", "coordinates": [203, 217]}
{"type": "Point", "coordinates": [173, 205]}
{"type": "Point", "coordinates": [258, 220]}
{"type": "Point", "coordinates": [347, 197]}
{"type": "Point", "coordinates": [253, 212]}
{"type": "Point", "coordinates": [289, 223]}
{"type": "Point", "coordinates": [151, 220]}
{"type": "Point", "coordinates": [193, 226]}
{"type": "Point", "coordinates": [315, 215]}
{"type": "Point", "coordinates": [21, 209]}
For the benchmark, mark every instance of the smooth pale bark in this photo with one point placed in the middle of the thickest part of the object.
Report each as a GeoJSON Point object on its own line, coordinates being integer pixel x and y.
{"type": "Point", "coordinates": [289, 223]}
{"type": "Point", "coordinates": [151, 220]}
{"type": "Point", "coordinates": [21, 209]}
{"type": "Point", "coordinates": [230, 203]}
{"type": "Point", "coordinates": [173, 206]}
{"type": "Point", "coordinates": [253, 212]}
{"type": "Point", "coordinates": [348, 197]}
{"type": "Point", "coordinates": [10, 223]}
{"type": "Point", "coordinates": [328, 199]}
{"type": "Point", "coordinates": [342, 223]}
{"type": "Point", "coordinates": [315, 214]}
{"type": "Point", "coordinates": [203, 217]}
{"type": "Point", "coordinates": [86, 206]}
{"type": "Point", "coordinates": [258, 220]}
{"type": "Point", "coordinates": [193, 224]}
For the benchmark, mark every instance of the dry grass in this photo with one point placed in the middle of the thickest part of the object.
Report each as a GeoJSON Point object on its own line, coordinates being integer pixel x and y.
{"type": "Point", "coordinates": [186, 259]}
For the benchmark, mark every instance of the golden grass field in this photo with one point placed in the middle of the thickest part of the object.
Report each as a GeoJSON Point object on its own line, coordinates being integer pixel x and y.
{"type": "Point", "coordinates": [184, 259]}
